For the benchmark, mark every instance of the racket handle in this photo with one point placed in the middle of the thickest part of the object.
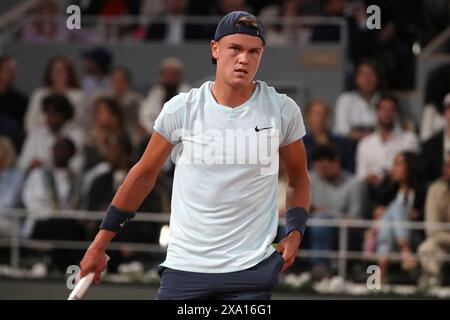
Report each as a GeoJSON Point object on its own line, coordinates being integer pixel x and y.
{"type": "Point", "coordinates": [82, 285]}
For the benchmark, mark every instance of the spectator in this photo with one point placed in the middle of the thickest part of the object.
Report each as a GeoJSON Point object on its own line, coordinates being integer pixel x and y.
{"type": "Point", "coordinates": [283, 33]}
{"type": "Point", "coordinates": [335, 194]}
{"type": "Point", "coordinates": [108, 121]}
{"type": "Point", "coordinates": [436, 88]}
{"type": "Point", "coordinates": [46, 25]}
{"type": "Point", "coordinates": [317, 114]}
{"type": "Point", "coordinates": [60, 77]}
{"type": "Point", "coordinates": [355, 110]}
{"type": "Point", "coordinates": [400, 29]}
{"type": "Point", "coordinates": [170, 83]}
{"type": "Point", "coordinates": [13, 103]}
{"type": "Point", "coordinates": [110, 9]}
{"type": "Point", "coordinates": [222, 8]}
{"type": "Point", "coordinates": [128, 100]}
{"type": "Point", "coordinates": [11, 181]}
{"type": "Point", "coordinates": [437, 242]}
{"type": "Point", "coordinates": [329, 32]}
{"type": "Point", "coordinates": [54, 187]}
{"type": "Point", "coordinates": [58, 113]}
{"type": "Point", "coordinates": [406, 201]}
{"type": "Point", "coordinates": [170, 26]}
{"type": "Point", "coordinates": [97, 65]}
{"type": "Point", "coordinates": [375, 153]}
{"type": "Point", "coordinates": [436, 148]}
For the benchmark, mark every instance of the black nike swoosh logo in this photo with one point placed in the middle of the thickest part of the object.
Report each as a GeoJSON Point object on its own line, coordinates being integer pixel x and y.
{"type": "Point", "coordinates": [259, 129]}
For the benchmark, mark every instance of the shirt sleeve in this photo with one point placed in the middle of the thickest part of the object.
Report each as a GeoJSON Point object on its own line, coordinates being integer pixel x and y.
{"type": "Point", "coordinates": [341, 116]}
{"type": "Point", "coordinates": [292, 126]}
{"type": "Point", "coordinates": [170, 120]}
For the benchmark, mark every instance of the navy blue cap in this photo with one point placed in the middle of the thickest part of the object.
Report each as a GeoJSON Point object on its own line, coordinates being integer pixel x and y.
{"type": "Point", "coordinates": [228, 25]}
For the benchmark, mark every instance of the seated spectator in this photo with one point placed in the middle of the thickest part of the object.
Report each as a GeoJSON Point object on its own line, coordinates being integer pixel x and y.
{"type": "Point", "coordinates": [437, 84]}
{"type": "Point", "coordinates": [437, 242]}
{"type": "Point", "coordinates": [50, 188]}
{"type": "Point", "coordinates": [436, 148]}
{"type": "Point", "coordinates": [46, 24]}
{"type": "Point", "coordinates": [221, 8]}
{"type": "Point", "coordinates": [283, 33]}
{"type": "Point", "coordinates": [13, 103]}
{"type": "Point", "coordinates": [60, 77]}
{"type": "Point", "coordinates": [355, 114]}
{"type": "Point", "coordinates": [11, 181]}
{"type": "Point", "coordinates": [376, 153]}
{"type": "Point", "coordinates": [108, 121]}
{"type": "Point", "coordinates": [170, 83]}
{"type": "Point", "coordinates": [129, 101]}
{"type": "Point", "coordinates": [110, 9]}
{"type": "Point", "coordinates": [335, 194]}
{"type": "Point", "coordinates": [329, 32]}
{"type": "Point", "coordinates": [170, 26]}
{"type": "Point", "coordinates": [404, 200]}
{"type": "Point", "coordinates": [96, 78]}
{"type": "Point", "coordinates": [105, 186]}
{"type": "Point", "coordinates": [58, 112]}
{"type": "Point", "coordinates": [317, 114]}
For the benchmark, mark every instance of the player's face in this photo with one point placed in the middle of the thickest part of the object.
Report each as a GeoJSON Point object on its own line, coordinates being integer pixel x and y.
{"type": "Point", "coordinates": [238, 57]}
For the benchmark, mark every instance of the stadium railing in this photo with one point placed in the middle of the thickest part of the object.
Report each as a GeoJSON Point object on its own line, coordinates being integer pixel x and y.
{"type": "Point", "coordinates": [15, 242]}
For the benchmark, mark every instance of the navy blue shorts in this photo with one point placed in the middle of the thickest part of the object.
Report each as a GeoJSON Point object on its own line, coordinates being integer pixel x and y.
{"type": "Point", "coordinates": [255, 283]}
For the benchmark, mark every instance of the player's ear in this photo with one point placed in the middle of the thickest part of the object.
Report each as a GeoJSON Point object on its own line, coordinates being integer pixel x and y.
{"type": "Point", "coordinates": [214, 49]}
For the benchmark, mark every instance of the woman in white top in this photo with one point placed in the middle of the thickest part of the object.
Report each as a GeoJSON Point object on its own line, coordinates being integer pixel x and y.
{"type": "Point", "coordinates": [60, 77]}
{"type": "Point", "coordinates": [355, 110]}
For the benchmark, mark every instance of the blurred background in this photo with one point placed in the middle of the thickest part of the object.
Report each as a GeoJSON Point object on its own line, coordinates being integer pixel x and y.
{"type": "Point", "coordinates": [77, 108]}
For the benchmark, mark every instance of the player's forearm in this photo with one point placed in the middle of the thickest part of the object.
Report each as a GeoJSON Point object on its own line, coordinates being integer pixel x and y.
{"type": "Point", "coordinates": [102, 240]}
{"type": "Point", "coordinates": [299, 192]}
{"type": "Point", "coordinates": [129, 197]}
{"type": "Point", "coordinates": [134, 189]}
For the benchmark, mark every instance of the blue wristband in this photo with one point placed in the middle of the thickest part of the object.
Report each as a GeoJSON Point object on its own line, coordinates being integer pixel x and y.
{"type": "Point", "coordinates": [115, 219]}
{"type": "Point", "coordinates": [296, 220]}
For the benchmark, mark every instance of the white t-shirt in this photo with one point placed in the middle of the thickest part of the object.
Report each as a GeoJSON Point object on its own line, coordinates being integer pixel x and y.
{"type": "Point", "coordinates": [374, 156]}
{"type": "Point", "coordinates": [224, 214]}
{"type": "Point", "coordinates": [352, 110]}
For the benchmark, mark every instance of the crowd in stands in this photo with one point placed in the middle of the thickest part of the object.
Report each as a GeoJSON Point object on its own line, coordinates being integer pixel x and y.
{"type": "Point", "coordinates": [70, 144]}
{"type": "Point", "coordinates": [168, 21]}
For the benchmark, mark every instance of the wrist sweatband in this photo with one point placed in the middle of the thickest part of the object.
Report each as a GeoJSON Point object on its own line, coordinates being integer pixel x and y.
{"type": "Point", "coordinates": [115, 219]}
{"type": "Point", "coordinates": [296, 220]}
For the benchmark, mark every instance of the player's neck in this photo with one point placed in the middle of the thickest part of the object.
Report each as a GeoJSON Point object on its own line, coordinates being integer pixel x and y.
{"type": "Point", "coordinates": [230, 96]}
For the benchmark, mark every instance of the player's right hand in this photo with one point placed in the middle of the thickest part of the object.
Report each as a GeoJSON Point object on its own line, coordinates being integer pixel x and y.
{"type": "Point", "coordinates": [93, 261]}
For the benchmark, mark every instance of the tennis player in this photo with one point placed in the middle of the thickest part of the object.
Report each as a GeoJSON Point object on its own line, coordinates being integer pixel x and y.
{"type": "Point", "coordinates": [225, 138]}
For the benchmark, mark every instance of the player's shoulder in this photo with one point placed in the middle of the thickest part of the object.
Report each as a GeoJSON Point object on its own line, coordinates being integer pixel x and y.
{"type": "Point", "coordinates": [280, 99]}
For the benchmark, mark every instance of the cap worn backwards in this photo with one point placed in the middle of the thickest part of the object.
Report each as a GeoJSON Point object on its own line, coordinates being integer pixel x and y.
{"type": "Point", "coordinates": [236, 22]}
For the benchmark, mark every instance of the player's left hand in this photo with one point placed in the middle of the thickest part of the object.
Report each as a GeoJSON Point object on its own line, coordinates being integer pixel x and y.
{"type": "Point", "coordinates": [288, 248]}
